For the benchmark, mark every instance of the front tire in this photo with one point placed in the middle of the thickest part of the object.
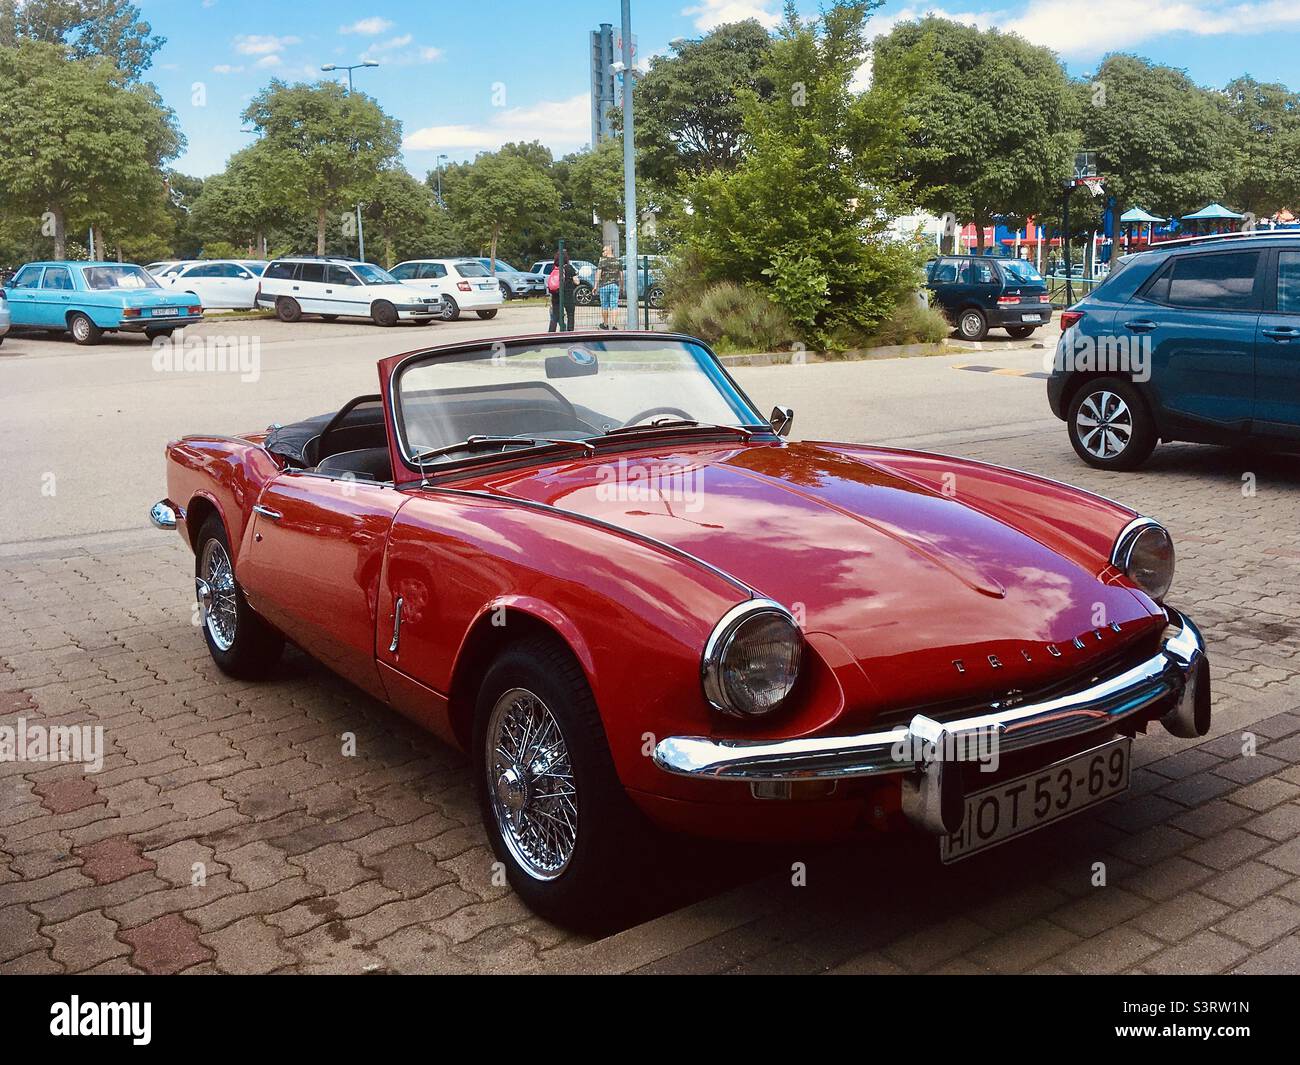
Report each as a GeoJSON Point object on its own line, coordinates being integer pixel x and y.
{"type": "Point", "coordinates": [1110, 426]}
{"type": "Point", "coordinates": [83, 330]}
{"type": "Point", "coordinates": [555, 811]}
{"type": "Point", "coordinates": [487, 316]}
{"type": "Point", "coordinates": [450, 309]}
{"type": "Point", "coordinates": [287, 309]}
{"type": "Point", "coordinates": [1019, 332]}
{"type": "Point", "coordinates": [971, 324]}
{"type": "Point", "coordinates": [241, 643]}
{"type": "Point", "coordinates": [383, 313]}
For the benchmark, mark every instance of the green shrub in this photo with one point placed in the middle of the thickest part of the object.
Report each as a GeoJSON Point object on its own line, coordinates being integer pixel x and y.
{"type": "Point", "coordinates": [910, 322]}
{"type": "Point", "coordinates": [734, 318]}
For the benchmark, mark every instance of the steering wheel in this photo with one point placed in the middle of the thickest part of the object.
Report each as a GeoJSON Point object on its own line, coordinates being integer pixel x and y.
{"type": "Point", "coordinates": [658, 410]}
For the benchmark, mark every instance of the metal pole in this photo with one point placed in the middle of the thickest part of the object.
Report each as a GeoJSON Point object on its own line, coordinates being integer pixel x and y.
{"type": "Point", "coordinates": [361, 237]}
{"type": "Point", "coordinates": [629, 169]}
{"type": "Point", "coordinates": [1065, 245]}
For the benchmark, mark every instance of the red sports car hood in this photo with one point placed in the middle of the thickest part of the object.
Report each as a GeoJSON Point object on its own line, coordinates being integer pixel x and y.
{"type": "Point", "coordinates": [909, 581]}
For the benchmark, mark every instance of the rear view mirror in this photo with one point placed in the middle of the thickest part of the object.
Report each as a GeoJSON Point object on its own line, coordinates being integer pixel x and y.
{"type": "Point", "coordinates": [579, 362]}
{"type": "Point", "coordinates": [781, 419]}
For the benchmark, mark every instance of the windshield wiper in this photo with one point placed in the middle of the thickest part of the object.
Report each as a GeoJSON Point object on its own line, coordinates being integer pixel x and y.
{"type": "Point", "coordinates": [681, 423]}
{"type": "Point", "coordinates": [488, 443]}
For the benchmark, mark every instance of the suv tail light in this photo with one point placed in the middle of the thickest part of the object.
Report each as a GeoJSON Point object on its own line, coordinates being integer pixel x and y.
{"type": "Point", "coordinates": [1070, 318]}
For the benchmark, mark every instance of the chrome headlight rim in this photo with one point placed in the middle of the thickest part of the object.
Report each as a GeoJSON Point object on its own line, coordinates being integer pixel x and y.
{"type": "Point", "coordinates": [718, 644]}
{"type": "Point", "coordinates": [1121, 556]}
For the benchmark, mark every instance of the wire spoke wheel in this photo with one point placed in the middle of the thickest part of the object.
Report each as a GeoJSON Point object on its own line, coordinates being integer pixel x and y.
{"type": "Point", "coordinates": [216, 592]}
{"type": "Point", "coordinates": [531, 784]}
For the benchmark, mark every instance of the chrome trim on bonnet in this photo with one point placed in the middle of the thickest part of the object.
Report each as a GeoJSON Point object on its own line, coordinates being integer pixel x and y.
{"type": "Point", "coordinates": [1169, 675]}
{"type": "Point", "coordinates": [715, 648]}
{"type": "Point", "coordinates": [1127, 537]}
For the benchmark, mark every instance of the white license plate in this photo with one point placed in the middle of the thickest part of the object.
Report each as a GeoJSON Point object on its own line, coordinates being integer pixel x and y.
{"type": "Point", "coordinates": [1015, 807]}
{"type": "Point", "coordinates": [165, 312]}
{"type": "Point", "coordinates": [1031, 317]}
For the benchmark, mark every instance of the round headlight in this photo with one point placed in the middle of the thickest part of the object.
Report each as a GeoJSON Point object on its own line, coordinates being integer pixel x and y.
{"type": "Point", "coordinates": [751, 661]}
{"type": "Point", "coordinates": [1146, 553]}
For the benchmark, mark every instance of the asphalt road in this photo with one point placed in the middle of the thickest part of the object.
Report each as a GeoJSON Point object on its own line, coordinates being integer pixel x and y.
{"type": "Point", "coordinates": [82, 429]}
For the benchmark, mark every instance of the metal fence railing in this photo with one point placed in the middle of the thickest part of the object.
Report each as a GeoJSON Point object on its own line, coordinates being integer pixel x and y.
{"type": "Point", "coordinates": [651, 310]}
{"type": "Point", "coordinates": [1079, 287]}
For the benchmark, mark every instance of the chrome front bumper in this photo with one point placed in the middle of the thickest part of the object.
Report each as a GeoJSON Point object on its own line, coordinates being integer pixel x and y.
{"type": "Point", "coordinates": [1177, 675]}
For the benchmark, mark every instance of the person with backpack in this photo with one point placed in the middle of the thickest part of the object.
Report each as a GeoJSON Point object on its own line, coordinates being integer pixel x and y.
{"type": "Point", "coordinates": [562, 284]}
{"type": "Point", "coordinates": [609, 282]}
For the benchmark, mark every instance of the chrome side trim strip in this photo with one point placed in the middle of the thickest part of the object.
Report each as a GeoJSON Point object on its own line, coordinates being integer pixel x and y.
{"type": "Point", "coordinates": [1164, 677]}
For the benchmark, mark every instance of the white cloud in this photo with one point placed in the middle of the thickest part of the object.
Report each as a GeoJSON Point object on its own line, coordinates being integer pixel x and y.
{"type": "Point", "coordinates": [1114, 24]}
{"type": "Point", "coordinates": [268, 61]}
{"type": "Point", "coordinates": [262, 44]}
{"type": "Point", "coordinates": [428, 55]}
{"type": "Point", "coordinates": [560, 124]}
{"type": "Point", "coordinates": [226, 68]}
{"type": "Point", "coordinates": [368, 27]}
{"type": "Point", "coordinates": [397, 52]}
{"type": "Point", "coordinates": [709, 14]}
{"type": "Point", "coordinates": [390, 44]}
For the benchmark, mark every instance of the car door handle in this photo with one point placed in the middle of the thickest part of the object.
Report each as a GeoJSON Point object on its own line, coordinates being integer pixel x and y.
{"type": "Point", "coordinates": [397, 627]}
{"type": "Point", "coordinates": [267, 512]}
{"type": "Point", "coordinates": [1140, 325]}
{"type": "Point", "coordinates": [1282, 333]}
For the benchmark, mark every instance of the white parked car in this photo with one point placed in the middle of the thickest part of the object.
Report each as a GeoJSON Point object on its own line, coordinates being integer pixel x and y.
{"type": "Point", "coordinates": [462, 284]}
{"type": "Point", "coordinates": [223, 283]}
{"type": "Point", "coordinates": [334, 288]}
{"type": "Point", "coordinates": [4, 316]}
{"type": "Point", "coordinates": [166, 267]}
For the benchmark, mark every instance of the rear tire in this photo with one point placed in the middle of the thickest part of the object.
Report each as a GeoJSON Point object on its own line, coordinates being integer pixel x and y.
{"type": "Point", "coordinates": [1110, 426]}
{"type": "Point", "coordinates": [383, 313]}
{"type": "Point", "coordinates": [83, 330]}
{"type": "Point", "coordinates": [572, 843]}
{"type": "Point", "coordinates": [329, 317]}
{"type": "Point", "coordinates": [241, 643]}
{"type": "Point", "coordinates": [287, 309]}
{"type": "Point", "coordinates": [971, 324]}
{"type": "Point", "coordinates": [487, 316]}
{"type": "Point", "coordinates": [1020, 331]}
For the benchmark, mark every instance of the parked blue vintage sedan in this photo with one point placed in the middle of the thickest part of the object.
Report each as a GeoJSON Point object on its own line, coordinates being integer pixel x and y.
{"type": "Point", "coordinates": [90, 299]}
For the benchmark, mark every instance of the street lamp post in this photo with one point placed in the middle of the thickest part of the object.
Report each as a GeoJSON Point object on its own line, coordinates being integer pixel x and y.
{"type": "Point", "coordinates": [629, 169]}
{"type": "Point", "coordinates": [361, 237]}
{"type": "Point", "coordinates": [437, 165]}
{"type": "Point", "coordinates": [355, 66]}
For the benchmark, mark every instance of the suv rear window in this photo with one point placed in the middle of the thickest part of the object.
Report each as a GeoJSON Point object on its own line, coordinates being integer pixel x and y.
{"type": "Point", "coordinates": [1224, 281]}
{"type": "Point", "coordinates": [471, 270]}
{"type": "Point", "coordinates": [283, 271]}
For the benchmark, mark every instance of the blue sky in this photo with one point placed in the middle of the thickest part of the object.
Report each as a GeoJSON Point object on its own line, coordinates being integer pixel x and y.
{"type": "Point", "coordinates": [466, 77]}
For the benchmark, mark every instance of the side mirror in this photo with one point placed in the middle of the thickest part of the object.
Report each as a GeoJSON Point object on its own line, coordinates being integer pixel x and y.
{"type": "Point", "coordinates": [781, 419]}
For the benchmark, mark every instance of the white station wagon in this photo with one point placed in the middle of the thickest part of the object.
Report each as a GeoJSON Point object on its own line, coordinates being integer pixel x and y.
{"type": "Point", "coordinates": [462, 284]}
{"type": "Point", "coordinates": [336, 288]}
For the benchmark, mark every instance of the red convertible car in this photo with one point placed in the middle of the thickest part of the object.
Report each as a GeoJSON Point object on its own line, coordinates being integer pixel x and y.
{"type": "Point", "coordinates": [590, 562]}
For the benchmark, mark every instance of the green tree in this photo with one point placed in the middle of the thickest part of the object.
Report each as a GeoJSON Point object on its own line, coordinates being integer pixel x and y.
{"type": "Point", "coordinates": [990, 122]}
{"type": "Point", "coordinates": [321, 146]}
{"type": "Point", "coordinates": [1264, 131]}
{"type": "Point", "coordinates": [81, 142]}
{"type": "Point", "coordinates": [688, 107]}
{"type": "Point", "coordinates": [595, 179]}
{"type": "Point", "coordinates": [804, 211]}
{"type": "Point", "coordinates": [1162, 141]}
{"type": "Point", "coordinates": [501, 192]}
{"type": "Point", "coordinates": [400, 215]}
{"type": "Point", "coordinates": [237, 206]}
{"type": "Point", "coordinates": [113, 29]}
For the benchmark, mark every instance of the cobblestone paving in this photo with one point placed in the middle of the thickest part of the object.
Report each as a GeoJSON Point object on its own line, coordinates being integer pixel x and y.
{"type": "Point", "coordinates": [228, 832]}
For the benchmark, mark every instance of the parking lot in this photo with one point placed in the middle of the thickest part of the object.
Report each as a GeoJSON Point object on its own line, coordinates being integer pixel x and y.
{"type": "Point", "coordinates": [228, 831]}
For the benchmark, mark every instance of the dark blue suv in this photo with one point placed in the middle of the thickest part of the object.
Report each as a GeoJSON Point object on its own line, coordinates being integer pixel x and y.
{"type": "Point", "coordinates": [980, 292]}
{"type": "Point", "coordinates": [1198, 340]}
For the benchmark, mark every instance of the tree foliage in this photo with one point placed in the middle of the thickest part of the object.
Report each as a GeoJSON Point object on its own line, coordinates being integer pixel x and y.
{"type": "Point", "coordinates": [689, 116]}
{"type": "Point", "coordinates": [321, 147]}
{"type": "Point", "coordinates": [83, 144]}
{"type": "Point", "coordinates": [1264, 134]}
{"type": "Point", "coordinates": [503, 191]}
{"type": "Point", "coordinates": [803, 212]}
{"type": "Point", "coordinates": [113, 29]}
{"type": "Point", "coordinates": [991, 121]}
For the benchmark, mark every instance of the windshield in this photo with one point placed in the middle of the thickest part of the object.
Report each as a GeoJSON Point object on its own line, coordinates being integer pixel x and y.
{"type": "Point", "coordinates": [1022, 271]}
{"type": "Point", "coordinates": [105, 277]}
{"type": "Point", "coordinates": [372, 275]}
{"type": "Point", "coordinates": [562, 390]}
{"type": "Point", "coordinates": [471, 269]}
